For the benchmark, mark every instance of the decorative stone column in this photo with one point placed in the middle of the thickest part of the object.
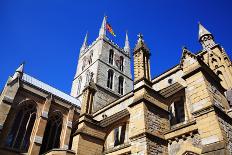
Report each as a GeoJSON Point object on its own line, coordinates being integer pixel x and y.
{"type": "Point", "coordinates": [141, 60]}
{"type": "Point", "coordinates": [89, 137]}
{"type": "Point", "coordinates": [148, 112]}
{"type": "Point", "coordinates": [67, 129]}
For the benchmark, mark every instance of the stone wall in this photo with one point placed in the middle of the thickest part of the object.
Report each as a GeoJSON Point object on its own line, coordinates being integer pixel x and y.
{"type": "Point", "coordinates": [102, 98]}
{"type": "Point", "coordinates": [175, 146]}
{"type": "Point", "coordinates": [156, 122]}
{"type": "Point", "coordinates": [163, 83]}
{"type": "Point", "coordinates": [156, 147]}
{"type": "Point", "coordinates": [226, 126]}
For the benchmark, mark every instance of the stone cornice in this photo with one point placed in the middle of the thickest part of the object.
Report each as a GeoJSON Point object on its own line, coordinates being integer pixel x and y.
{"type": "Point", "coordinates": [150, 100]}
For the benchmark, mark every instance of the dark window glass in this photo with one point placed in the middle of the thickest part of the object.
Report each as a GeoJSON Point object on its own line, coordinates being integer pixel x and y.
{"type": "Point", "coordinates": [121, 63]}
{"type": "Point", "coordinates": [111, 56]}
{"type": "Point", "coordinates": [110, 79]}
{"type": "Point", "coordinates": [52, 132]}
{"type": "Point", "coordinates": [120, 85]}
{"type": "Point", "coordinates": [19, 136]}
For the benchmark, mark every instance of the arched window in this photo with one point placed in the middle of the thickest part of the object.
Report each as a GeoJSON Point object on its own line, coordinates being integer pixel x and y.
{"type": "Point", "coordinates": [19, 136]}
{"type": "Point", "coordinates": [121, 63]}
{"type": "Point", "coordinates": [79, 85]}
{"type": "Point", "coordinates": [51, 138]}
{"type": "Point", "coordinates": [110, 79]}
{"type": "Point", "coordinates": [111, 56]}
{"type": "Point", "coordinates": [87, 78]}
{"type": "Point", "coordinates": [117, 136]}
{"type": "Point", "coordinates": [83, 63]}
{"type": "Point", "coordinates": [91, 57]}
{"type": "Point", "coordinates": [120, 85]}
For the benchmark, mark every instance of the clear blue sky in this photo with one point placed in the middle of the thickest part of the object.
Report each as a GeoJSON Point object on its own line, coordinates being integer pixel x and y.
{"type": "Point", "coordinates": [47, 34]}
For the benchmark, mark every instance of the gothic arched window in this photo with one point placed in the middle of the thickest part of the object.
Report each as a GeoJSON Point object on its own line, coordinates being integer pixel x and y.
{"type": "Point", "coordinates": [19, 136]}
{"type": "Point", "coordinates": [120, 85]}
{"type": "Point", "coordinates": [79, 85]}
{"type": "Point", "coordinates": [91, 57]}
{"type": "Point", "coordinates": [111, 56]}
{"type": "Point", "coordinates": [51, 138]}
{"type": "Point", "coordinates": [121, 63]}
{"type": "Point", "coordinates": [87, 78]}
{"type": "Point", "coordinates": [110, 79]}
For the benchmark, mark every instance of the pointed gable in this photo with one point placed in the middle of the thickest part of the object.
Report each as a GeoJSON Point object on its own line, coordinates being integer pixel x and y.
{"type": "Point", "coordinates": [187, 59]}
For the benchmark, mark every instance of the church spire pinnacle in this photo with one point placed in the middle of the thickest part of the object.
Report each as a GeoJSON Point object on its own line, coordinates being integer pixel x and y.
{"type": "Point", "coordinates": [85, 45]}
{"type": "Point", "coordinates": [127, 44]}
{"type": "Point", "coordinates": [205, 38]}
{"type": "Point", "coordinates": [202, 31]}
{"type": "Point", "coordinates": [102, 32]}
{"type": "Point", "coordinates": [141, 60]}
{"type": "Point", "coordinates": [19, 71]}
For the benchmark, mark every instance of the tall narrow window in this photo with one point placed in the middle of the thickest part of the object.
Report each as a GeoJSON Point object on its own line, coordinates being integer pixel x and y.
{"type": "Point", "coordinates": [120, 85]}
{"type": "Point", "coordinates": [19, 136]}
{"type": "Point", "coordinates": [51, 138]}
{"type": "Point", "coordinates": [91, 57]}
{"type": "Point", "coordinates": [110, 79]}
{"type": "Point", "coordinates": [179, 111]}
{"type": "Point", "coordinates": [121, 63]}
{"type": "Point", "coordinates": [87, 77]}
{"type": "Point", "coordinates": [119, 135]}
{"type": "Point", "coordinates": [111, 56]}
{"type": "Point", "coordinates": [79, 85]}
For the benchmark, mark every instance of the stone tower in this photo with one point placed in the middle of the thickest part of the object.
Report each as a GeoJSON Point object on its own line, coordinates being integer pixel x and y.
{"type": "Point", "coordinates": [215, 56]}
{"type": "Point", "coordinates": [109, 65]}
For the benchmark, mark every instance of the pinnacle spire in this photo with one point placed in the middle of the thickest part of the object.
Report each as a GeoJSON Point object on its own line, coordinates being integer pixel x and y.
{"type": "Point", "coordinates": [127, 44]}
{"type": "Point", "coordinates": [140, 43]}
{"type": "Point", "coordinates": [202, 31]}
{"type": "Point", "coordinates": [85, 45]}
{"type": "Point", "coordinates": [19, 71]}
{"type": "Point", "coordinates": [102, 32]}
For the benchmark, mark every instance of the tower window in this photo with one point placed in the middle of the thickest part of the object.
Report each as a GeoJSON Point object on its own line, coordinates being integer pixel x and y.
{"type": "Point", "coordinates": [120, 85]}
{"type": "Point", "coordinates": [91, 57]}
{"type": "Point", "coordinates": [79, 85]}
{"type": "Point", "coordinates": [19, 136]}
{"type": "Point", "coordinates": [87, 77]}
{"type": "Point", "coordinates": [121, 63]}
{"type": "Point", "coordinates": [111, 56]}
{"type": "Point", "coordinates": [110, 79]}
{"type": "Point", "coordinates": [52, 132]}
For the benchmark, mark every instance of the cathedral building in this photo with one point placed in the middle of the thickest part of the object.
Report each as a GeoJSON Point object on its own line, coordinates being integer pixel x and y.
{"type": "Point", "coordinates": [187, 110]}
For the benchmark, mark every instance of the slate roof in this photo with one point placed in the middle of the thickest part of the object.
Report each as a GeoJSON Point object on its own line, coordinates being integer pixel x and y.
{"type": "Point", "coordinates": [45, 87]}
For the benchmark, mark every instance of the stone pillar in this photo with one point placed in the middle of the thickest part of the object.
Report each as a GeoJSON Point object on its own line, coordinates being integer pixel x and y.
{"type": "Point", "coordinates": [67, 129]}
{"type": "Point", "coordinates": [148, 123]}
{"type": "Point", "coordinates": [89, 137]}
{"type": "Point", "coordinates": [39, 127]}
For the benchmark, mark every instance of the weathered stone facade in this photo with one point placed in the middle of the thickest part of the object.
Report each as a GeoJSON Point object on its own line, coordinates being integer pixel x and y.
{"type": "Point", "coordinates": [183, 111]}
